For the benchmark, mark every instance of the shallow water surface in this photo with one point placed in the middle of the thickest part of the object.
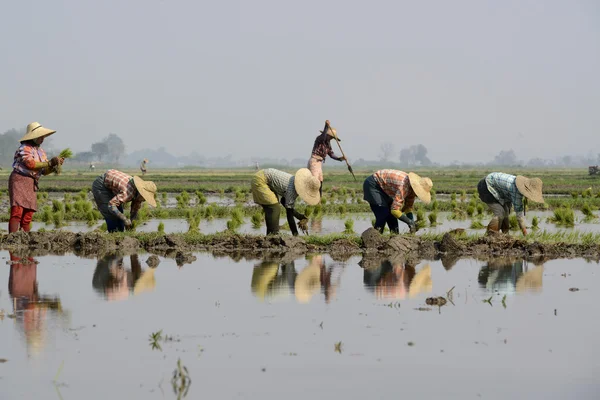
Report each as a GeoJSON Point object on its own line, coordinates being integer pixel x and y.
{"type": "Point", "coordinates": [298, 328]}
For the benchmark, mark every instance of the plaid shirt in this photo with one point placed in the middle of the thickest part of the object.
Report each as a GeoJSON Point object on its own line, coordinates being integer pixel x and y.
{"type": "Point", "coordinates": [124, 189]}
{"type": "Point", "coordinates": [396, 185]}
{"type": "Point", "coordinates": [25, 158]}
{"type": "Point", "coordinates": [504, 188]}
{"type": "Point", "coordinates": [282, 184]}
{"type": "Point", "coordinates": [322, 147]}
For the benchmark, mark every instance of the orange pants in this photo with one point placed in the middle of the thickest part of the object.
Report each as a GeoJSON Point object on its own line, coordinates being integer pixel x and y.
{"type": "Point", "coordinates": [20, 217]}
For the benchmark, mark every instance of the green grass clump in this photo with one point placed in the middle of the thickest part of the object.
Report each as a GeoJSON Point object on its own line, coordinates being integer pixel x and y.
{"type": "Point", "coordinates": [349, 226]}
{"type": "Point", "coordinates": [161, 227]}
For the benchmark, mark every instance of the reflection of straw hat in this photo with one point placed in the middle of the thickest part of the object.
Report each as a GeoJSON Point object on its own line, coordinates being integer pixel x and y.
{"type": "Point", "coordinates": [421, 186]}
{"type": "Point", "coordinates": [530, 188]}
{"type": "Point", "coordinates": [145, 283]}
{"type": "Point", "coordinates": [421, 282]}
{"type": "Point", "coordinates": [330, 130]}
{"type": "Point", "coordinates": [262, 277]}
{"type": "Point", "coordinates": [531, 280]}
{"type": "Point", "coordinates": [308, 281]}
{"type": "Point", "coordinates": [35, 130]}
{"type": "Point", "coordinates": [307, 186]}
{"type": "Point", "coordinates": [147, 189]}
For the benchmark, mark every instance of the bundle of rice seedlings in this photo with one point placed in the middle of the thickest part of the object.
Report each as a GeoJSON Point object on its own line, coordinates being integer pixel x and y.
{"type": "Point", "coordinates": [432, 218]}
{"type": "Point", "coordinates": [161, 227]}
{"type": "Point", "coordinates": [476, 224]}
{"type": "Point", "coordinates": [66, 153]}
{"type": "Point", "coordinates": [256, 220]}
{"type": "Point", "coordinates": [349, 226]}
{"type": "Point", "coordinates": [587, 211]}
{"type": "Point", "coordinates": [535, 223]}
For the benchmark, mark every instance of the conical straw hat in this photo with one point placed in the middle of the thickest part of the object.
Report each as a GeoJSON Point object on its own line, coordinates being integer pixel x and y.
{"type": "Point", "coordinates": [530, 188]}
{"type": "Point", "coordinates": [421, 186]}
{"type": "Point", "coordinates": [330, 131]}
{"type": "Point", "coordinates": [307, 186]}
{"type": "Point", "coordinates": [421, 282]}
{"type": "Point", "coordinates": [147, 189]}
{"type": "Point", "coordinates": [308, 281]}
{"type": "Point", "coordinates": [35, 130]}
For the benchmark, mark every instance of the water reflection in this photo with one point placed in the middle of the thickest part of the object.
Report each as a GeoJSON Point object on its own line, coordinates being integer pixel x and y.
{"type": "Point", "coordinates": [396, 279]}
{"type": "Point", "coordinates": [279, 279]}
{"type": "Point", "coordinates": [113, 281]}
{"type": "Point", "coordinates": [32, 310]}
{"type": "Point", "coordinates": [507, 275]}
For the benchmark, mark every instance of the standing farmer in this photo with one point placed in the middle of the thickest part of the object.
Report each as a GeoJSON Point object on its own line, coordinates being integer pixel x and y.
{"type": "Point", "coordinates": [143, 166]}
{"type": "Point", "coordinates": [391, 195]}
{"type": "Point", "coordinates": [30, 162]}
{"type": "Point", "coordinates": [502, 191]}
{"type": "Point", "coordinates": [269, 183]}
{"type": "Point", "coordinates": [322, 149]}
{"type": "Point", "coordinates": [113, 189]}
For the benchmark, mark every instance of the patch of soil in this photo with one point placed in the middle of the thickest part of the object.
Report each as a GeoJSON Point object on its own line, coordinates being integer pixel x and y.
{"type": "Point", "coordinates": [372, 239]}
{"type": "Point", "coordinates": [153, 261]}
{"type": "Point", "coordinates": [343, 249]}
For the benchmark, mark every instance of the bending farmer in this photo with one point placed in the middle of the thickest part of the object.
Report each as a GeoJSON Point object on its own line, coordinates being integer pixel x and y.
{"type": "Point", "coordinates": [30, 162]}
{"type": "Point", "coordinates": [113, 189]}
{"type": "Point", "coordinates": [322, 149]}
{"type": "Point", "coordinates": [269, 183]}
{"type": "Point", "coordinates": [500, 191]}
{"type": "Point", "coordinates": [391, 195]}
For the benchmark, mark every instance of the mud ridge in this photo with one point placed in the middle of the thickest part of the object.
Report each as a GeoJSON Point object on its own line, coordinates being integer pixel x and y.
{"type": "Point", "coordinates": [179, 246]}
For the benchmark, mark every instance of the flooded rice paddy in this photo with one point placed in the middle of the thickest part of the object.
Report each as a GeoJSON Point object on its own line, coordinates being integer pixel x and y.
{"type": "Point", "coordinates": [81, 328]}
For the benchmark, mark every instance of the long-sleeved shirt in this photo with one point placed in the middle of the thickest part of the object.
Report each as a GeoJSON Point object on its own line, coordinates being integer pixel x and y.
{"type": "Point", "coordinates": [396, 185]}
{"type": "Point", "coordinates": [124, 189]}
{"type": "Point", "coordinates": [25, 158]}
{"type": "Point", "coordinates": [504, 189]}
{"type": "Point", "coordinates": [322, 147]}
{"type": "Point", "coordinates": [282, 184]}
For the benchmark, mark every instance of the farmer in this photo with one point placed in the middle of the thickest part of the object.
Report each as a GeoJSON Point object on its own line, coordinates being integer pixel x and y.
{"type": "Point", "coordinates": [114, 282]}
{"type": "Point", "coordinates": [30, 162]}
{"type": "Point", "coordinates": [143, 167]}
{"type": "Point", "coordinates": [502, 191]}
{"type": "Point", "coordinates": [113, 189]}
{"type": "Point", "coordinates": [391, 195]}
{"type": "Point", "coordinates": [268, 184]}
{"type": "Point", "coordinates": [322, 149]}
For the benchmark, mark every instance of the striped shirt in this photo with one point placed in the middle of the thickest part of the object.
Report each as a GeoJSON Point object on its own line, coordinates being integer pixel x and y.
{"type": "Point", "coordinates": [504, 189]}
{"type": "Point", "coordinates": [25, 158]}
{"type": "Point", "coordinates": [124, 189]}
{"type": "Point", "coordinates": [396, 185]}
{"type": "Point", "coordinates": [322, 147]}
{"type": "Point", "coordinates": [282, 184]}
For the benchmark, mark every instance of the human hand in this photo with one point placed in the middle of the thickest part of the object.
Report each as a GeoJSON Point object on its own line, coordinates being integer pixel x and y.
{"type": "Point", "coordinates": [342, 158]}
{"type": "Point", "coordinates": [54, 161]}
{"type": "Point", "coordinates": [412, 228]}
{"type": "Point", "coordinates": [128, 223]}
{"type": "Point", "coordinates": [524, 230]}
{"type": "Point", "coordinates": [303, 225]}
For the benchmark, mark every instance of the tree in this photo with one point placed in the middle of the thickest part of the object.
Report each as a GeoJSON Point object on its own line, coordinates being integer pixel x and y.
{"type": "Point", "coordinates": [505, 157]}
{"type": "Point", "coordinates": [386, 151]}
{"type": "Point", "coordinates": [415, 155]}
{"type": "Point", "coordinates": [116, 147]}
{"type": "Point", "coordinates": [100, 149]}
{"type": "Point", "coordinates": [9, 142]}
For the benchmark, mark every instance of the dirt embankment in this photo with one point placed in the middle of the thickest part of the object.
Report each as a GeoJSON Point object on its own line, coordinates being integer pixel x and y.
{"type": "Point", "coordinates": [449, 249]}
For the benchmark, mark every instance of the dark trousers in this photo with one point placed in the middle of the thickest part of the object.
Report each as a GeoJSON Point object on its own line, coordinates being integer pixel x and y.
{"type": "Point", "coordinates": [272, 212]}
{"type": "Point", "coordinates": [383, 215]}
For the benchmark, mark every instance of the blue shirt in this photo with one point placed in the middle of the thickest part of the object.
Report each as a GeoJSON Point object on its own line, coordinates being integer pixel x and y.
{"type": "Point", "coordinates": [504, 189]}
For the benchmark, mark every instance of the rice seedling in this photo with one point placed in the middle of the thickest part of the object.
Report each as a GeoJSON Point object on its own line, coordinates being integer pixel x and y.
{"type": "Point", "coordinates": [209, 212]}
{"type": "Point", "coordinates": [587, 193]}
{"type": "Point", "coordinates": [308, 211]}
{"type": "Point", "coordinates": [480, 208]}
{"type": "Point", "coordinates": [463, 196]}
{"type": "Point", "coordinates": [476, 224]}
{"type": "Point", "coordinates": [420, 219]}
{"type": "Point", "coordinates": [535, 223]}
{"type": "Point", "coordinates": [574, 195]}
{"type": "Point", "coordinates": [57, 206]}
{"type": "Point", "coordinates": [193, 221]}
{"type": "Point", "coordinates": [563, 216]}
{"type": "Point", "coordinates": [323, 200]}
{"type": "Point", "coordinates": [256, 220]}
{"type": "Point", "coordinates": [434, 205]}
{"type": "Point", "coordinates": [155, 339]}
{"type": "Point", "coordinates": [68, 208]}
{"type": "Point", "coordinates": [237, 215]}
{"type": "Point", "coordinates": [432, 218]}
{"type": "Point", "coordinates": [68, 197]}
{"type": "Point", "coordinates": [164, 197]}
{"type": "Point", "coordinates": [342, 209]}
{"type": "Point", "coordinates": [470, 210]}
{"type": "Point", "coordinates": [58, 219]}
{"type": "Point", "coordinates": [103, 227]}
{"type": "Point", "coordinates": [513, 222]}
{"type": "Point", "coordinates": [201, 198]}
{"type": "Point", "coordinates": [453, 196]}
{"type": "Point", "coordinates": [161, 227]}
{"type": "Point", "coordinates": [66, 153]}
{"type": "Point", "coordinates": [349, 226]}
{"type": "Point", "coordinates": [181, 380]}
{"type": "Point", "coordinates": [91, 218]}
{"type": "Point", "coordinates": [587, 211]}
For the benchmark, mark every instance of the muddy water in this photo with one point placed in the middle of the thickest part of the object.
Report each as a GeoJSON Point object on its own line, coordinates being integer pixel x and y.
{"type": "Point", "coordinates": [261, 329]}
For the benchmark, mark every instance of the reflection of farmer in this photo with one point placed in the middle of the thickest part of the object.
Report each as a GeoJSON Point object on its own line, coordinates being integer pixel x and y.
{"type": "Point", "coordinates": [267, 282]}
{"type": "Point", "coordinates": [397, 280]}
{"type": "Point", "coordinates": [507, 276]}
{"type": "Point", "coordinates": [143, 166]}
{"type": "Point", "coordinates": [502, 191]}
{"type": "Point", "coordinates": [30, 163]}
{"type": "Point", "coordinates": [322, 149]}
{"type": "Point", "coordinates": [29, 306]}
{"type": "Point", "coordinates": [114, 282]}
{"type": "Point", "coordinates": [269, 183]}
{"type": "Point", "coordinates": [113, 189]}
{"type": "Point", "coordinates": [391, 195]}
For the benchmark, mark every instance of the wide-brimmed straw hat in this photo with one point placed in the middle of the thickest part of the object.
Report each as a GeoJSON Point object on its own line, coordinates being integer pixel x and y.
{"type": "Point", "coordinates": [147, 189]}
{"type": "Point", "coordinates": [421, 282]}
{"type": "Point", "coordinates": [530, 188]}
{"type": "Point", "coordinates": [308, 281]}
{"type": "Point", "coordinates": [307, 186]}
{"type": "Point", "coordinates": [421, 186]}
{"type": "Point", "coordinates": [330, 131]}
{"type": "Point", "coordinates": [35, 130]}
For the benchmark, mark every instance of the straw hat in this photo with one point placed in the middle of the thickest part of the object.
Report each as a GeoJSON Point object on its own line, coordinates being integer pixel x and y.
{"type": "Point", "coordinates": [35, 130]}
{"type": "Point", "coordinates": [330, 131]}
{"type": "Point", "coordinates": [147, 189]}
{"type": "Point", "coordinates": [530, 188]}
{"type": "Point", "coordinates": [308, 281]}
{"type": "Point", "coordinates": [307, 186]}
{"type": "Point", "coordinates": [421, 186]}
{"type": "Point", "coordinates": [421, 283]}
{"type": "Point", "coordinates": [146, 282]}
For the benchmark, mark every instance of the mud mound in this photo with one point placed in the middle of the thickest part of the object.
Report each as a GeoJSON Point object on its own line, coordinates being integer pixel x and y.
{"type": "Point", "coordinates": [372, 239]}
{"type": "Point", "coordinates": [184, 258]}
{"type": "Point", "coordinates": [451, 245]}
{"type": "Point", "coordinates": [153, 261]}
{"type": "Point", "coordinates": [401, 244]}
{"type": "Point", "coordinates": [343, 249]}
{"type": "Point", "coordinates": [166, 242]}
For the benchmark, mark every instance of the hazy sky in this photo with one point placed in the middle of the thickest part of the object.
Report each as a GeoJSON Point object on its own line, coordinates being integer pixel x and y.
{"type": "Point", "coordinates": [465, 78]}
